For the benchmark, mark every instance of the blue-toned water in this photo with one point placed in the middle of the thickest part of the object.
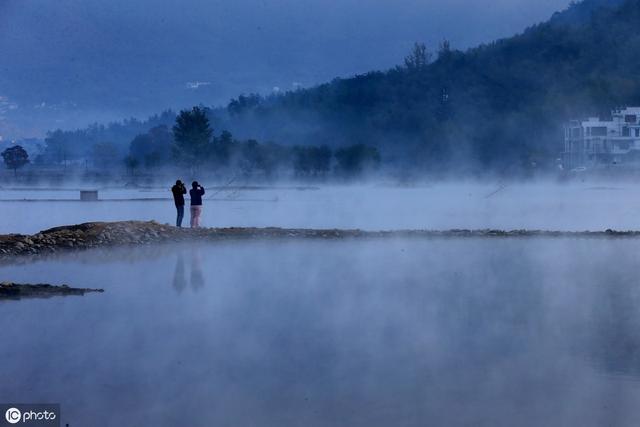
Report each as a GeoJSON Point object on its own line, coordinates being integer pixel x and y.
{"type": "Point", "coordinates": [572, 207]}
{"type": "Point", "coordinates": [413, 332]}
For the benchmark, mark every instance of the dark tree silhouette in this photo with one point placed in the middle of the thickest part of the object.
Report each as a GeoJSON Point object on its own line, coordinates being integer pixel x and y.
{"type": "Point", "coordinates": [311, 161]}
{"type": "Point", "coordinates": [131, 163]}
{"type": "Point", "coordinates": [244, 103]}
{"type": "Point", "coordinates": [355, 159]}
{"type": "Point", "coordinates": [418, 59]}
{"type": "Point", "coordinates": [444, 50]}
{"type": "Point", "coordinates": [220, 152]}
{"type": "Point", "coordinates": [105, 155]}
{"type": "Point", "coordinates": [152, 148]}
{"type": "Point", "coordinates": [58, 146]}
{"type": "Point", "coordinates": [321, 159]}
{"type": "Point", "coordinates": [192, 136]}
{"type": "Point", "coordinates": [63, 146]}
{"type": "Point", "coordinates": [15, 157]}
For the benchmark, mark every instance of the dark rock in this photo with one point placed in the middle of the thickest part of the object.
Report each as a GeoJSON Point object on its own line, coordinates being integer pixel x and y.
{"type": "Point", "coordinates": [15, 291]}
{"type": "Point", "coordinates": [96, 234]}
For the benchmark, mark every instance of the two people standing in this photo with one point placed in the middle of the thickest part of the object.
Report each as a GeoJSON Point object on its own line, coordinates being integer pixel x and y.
{"type": "Point", "coordinates": [196, 193]}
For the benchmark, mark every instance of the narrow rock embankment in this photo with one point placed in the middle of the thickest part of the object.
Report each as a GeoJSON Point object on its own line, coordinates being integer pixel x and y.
{"type": "Point", "coordinates": [106, 234]}
{"type": "Point", "coordinates": [17, 291]}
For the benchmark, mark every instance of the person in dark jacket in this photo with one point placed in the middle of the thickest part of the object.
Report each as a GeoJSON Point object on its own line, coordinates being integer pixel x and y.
{"type": "Point", "coordinates": [196, 193]}
{"type": "Point", "coordinates": [179, 190]}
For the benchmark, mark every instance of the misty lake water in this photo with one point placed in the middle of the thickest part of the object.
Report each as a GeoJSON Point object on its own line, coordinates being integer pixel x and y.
{"type": "Point", "coordinates": [575, 206]}
{"type": "Point", "coordinates": [375, 332]}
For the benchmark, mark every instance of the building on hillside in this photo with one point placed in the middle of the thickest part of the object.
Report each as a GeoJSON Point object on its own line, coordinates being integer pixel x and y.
{"type": "Point", "coordinates": [595, 143]}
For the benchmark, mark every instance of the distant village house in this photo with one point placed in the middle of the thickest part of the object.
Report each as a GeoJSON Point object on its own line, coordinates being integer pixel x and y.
{"type": "Point", "coordinates": [595, 143]}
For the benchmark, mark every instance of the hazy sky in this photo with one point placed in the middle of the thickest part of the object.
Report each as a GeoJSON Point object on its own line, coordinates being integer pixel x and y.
{"type": "Point", "coordinates": [66, 62]}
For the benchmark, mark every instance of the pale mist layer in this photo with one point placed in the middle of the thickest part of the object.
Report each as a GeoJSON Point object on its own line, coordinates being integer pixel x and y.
{"type": "Point", "coordinates": [544, 205]}
{"type": "Point", "coordinates": [523, 332]}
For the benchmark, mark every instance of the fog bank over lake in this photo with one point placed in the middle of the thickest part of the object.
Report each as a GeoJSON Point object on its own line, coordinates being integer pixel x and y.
{"type": "Point", "coordinates": [569, 207]}
{"type": "Point", "coordinates": [359, 333]}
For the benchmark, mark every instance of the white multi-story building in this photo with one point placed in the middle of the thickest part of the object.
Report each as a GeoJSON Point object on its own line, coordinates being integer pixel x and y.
{"type": "Point", "coordinates": [596, 143]}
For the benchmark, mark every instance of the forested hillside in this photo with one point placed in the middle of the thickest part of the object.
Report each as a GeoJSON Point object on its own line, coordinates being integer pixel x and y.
{"type": "Point", "coordinates": [497, 107]}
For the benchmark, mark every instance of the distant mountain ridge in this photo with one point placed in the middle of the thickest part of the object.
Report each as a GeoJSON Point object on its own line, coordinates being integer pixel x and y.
{"type": "Point", "coordinates": [69, 63]}
{"type": "Point", "coordinates": [499, 106]}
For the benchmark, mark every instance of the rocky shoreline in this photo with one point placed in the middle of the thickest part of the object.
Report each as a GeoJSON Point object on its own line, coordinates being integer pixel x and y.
{"type": "Point", "coordinates": [17, 291]}
{"type": "Point", "coordinates": [108, 234]}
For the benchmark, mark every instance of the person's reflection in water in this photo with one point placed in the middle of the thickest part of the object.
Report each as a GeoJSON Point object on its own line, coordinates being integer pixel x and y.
{"type": "Point", "coordinates": [179, 279]}
{"type": "Point", "coordinates": [197, 276]}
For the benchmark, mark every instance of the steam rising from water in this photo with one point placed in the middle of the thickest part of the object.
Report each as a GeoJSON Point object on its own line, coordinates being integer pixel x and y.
{"type": "Point", "coordinates": [571, 207]}
{"type": "Point", "coordinates": [384, 332]}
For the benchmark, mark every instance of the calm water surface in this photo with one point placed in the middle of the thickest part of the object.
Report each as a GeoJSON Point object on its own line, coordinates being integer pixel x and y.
{"type": "Point", "coordinates": [575, 206]}
{"type": "Point", "coordinates": [342, 333]}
